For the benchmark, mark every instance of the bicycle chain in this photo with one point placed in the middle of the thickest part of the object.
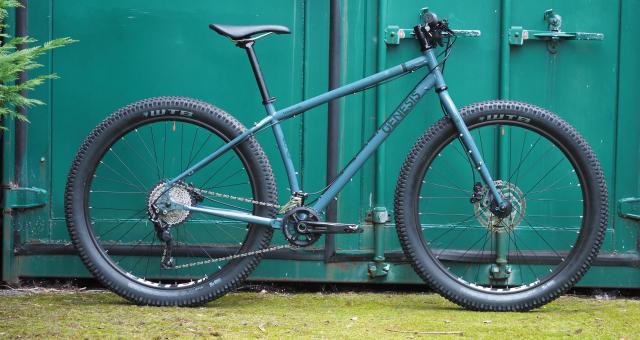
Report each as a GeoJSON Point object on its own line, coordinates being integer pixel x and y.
{"type": "Point", "coordinates": [236, 198]}
{"type": "Point", "coordinates": [235, 256]}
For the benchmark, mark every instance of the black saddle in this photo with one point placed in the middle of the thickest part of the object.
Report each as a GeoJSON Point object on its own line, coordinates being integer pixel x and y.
{"type": "Point", "coordinates": [244, 32]}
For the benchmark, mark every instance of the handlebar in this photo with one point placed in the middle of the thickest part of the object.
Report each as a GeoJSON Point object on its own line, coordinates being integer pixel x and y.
{"type": "Point", "coordinates": [433, 31]}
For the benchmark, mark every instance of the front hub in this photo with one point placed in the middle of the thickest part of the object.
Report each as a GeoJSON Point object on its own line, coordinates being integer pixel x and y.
{"type": "Point", "coordinates": [490, 215]}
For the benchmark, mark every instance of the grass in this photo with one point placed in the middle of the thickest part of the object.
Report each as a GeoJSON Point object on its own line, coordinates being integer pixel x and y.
{"type": "Point", "coordinates": [307, 315]}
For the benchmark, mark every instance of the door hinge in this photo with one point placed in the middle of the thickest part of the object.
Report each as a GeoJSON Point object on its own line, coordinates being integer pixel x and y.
{"type": "Point", "coordinates": [629, 208]}
{"type": "Point", "coordinates": [518, 35]}
{"type": "Point", "coordinates": [24, 198]}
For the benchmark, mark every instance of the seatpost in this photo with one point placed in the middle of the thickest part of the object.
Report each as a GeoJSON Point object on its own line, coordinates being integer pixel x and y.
{"type": "Point", "coordinates": [248, 46]}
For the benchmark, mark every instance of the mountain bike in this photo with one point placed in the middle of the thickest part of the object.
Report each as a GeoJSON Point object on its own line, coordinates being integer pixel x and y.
{"type": "Point", "coordinates": [500, 205]}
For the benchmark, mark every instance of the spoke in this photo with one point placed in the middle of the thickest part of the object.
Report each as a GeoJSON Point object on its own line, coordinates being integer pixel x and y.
{"type": "Point", "coordinates": [117, 192]}
{"type": "Point", "coordinates": [443, 214]}
{"type": "Point", "coordinates": [543, 177]}
{"type": "Point", "coordinates": [155, 152]}
{"type": "Point", "coordinates": [136, 153]}
{"type": "Point", "coordinates": [188, 234]}
{"type": "Point", "coordinates": [481, 142]}
{"type": "Point", "coordinates": [229, 185]}
{"type": "Point", "coordinates": [448, 187]}
{"type": "Point", "coordinates": [127, 167]}
{"type": "Point", "coordinates": [217, 171]}
{"type": "Point", "coordinates": [146, 269]}
{"type": "Point", "coordinates": [517, 173]}
{"type": "Point", "coordinates": [518, 250]}
{"type": "Point", "coordinates": [454, 225]}
{"type": "Point", "coordinates": [222, 228]}
{"type": "Point", "coordinates": [193, 143]}
{"type": "Point", "coordinates": [109, 208]}
{"type": "Point", "coordinates": [116, 181]}
{"type": "Point", "coordinates": [123, 221]}
{"type": "Point", "coordinates": [554, 189]}
{"type": "Point", "coordinates": [123, 177]}
{"type": "Point", "coordinates": [146, 147]}
{"type": "Point", "coordinates": [556, 216]}
{"type": "Point", "coordinates": [533, 146]}
{"type": "Point", "coordinates": [226, 204]}
{"type": "Point", "coordinates": [449, 175]}
{"type": "Point", "coordinates": [137, 244]}
{"type": "Point", "coordinates": [182, 142]}
{"type": "Point", "coordinates": [540, 236]}
{"type": "Point", "coordinates": [558, 180]}
{"type": "Point", "coordinates": [127, 233]}
{"type": "Point", "coordinates": [164, 152]}
{"type": "Point", "coordinates": [487, 237]}
{"type": "Point", "coordinates": [553, 200]}
{"type": "Point", "coordinates": [226, 178]}
{"type": "Point", "coordinates": [474, 243]}
{"type": "Point", "coordinates": [195, 155]}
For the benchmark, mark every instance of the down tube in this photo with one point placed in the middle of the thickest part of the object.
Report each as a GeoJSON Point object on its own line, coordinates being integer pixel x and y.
{"type": "Point", "coordinates": [378, 138]}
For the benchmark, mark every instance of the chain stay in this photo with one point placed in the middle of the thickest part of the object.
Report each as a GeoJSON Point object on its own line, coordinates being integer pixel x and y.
{"type": "Point", "coordinates": [235, 256]}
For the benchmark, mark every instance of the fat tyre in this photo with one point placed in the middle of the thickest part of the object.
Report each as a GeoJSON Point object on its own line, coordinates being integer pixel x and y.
{"type": "Point", "coordinates": [435, 274]}
{"type": "Point", "coordinates": [79, 178]}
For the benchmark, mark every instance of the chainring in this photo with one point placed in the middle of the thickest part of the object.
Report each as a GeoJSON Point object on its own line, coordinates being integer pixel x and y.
{"type": "Point", "coordinates": [294, 229]}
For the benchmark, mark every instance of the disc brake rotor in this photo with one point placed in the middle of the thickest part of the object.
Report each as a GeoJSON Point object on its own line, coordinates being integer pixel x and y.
{"type": "Point", "coordinates": [511, 193]}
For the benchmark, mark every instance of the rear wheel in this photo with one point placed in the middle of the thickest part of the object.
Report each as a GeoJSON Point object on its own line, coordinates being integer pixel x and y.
{"type": "Point", "coordinates": [117, 181]}
{"type": "Point", "coordinates": [556, 188]}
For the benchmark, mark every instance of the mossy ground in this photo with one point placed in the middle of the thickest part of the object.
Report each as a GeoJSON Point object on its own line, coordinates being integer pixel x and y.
{"type": "Point", "coordinates": [307, 315]}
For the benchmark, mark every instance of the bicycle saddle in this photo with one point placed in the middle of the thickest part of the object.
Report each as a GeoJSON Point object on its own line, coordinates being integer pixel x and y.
{"type": "Point", "coordinates": [243, 32]}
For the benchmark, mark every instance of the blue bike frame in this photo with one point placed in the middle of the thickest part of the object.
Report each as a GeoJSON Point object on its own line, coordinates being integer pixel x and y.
{"type": "Point", "coordinates": [433, 79]}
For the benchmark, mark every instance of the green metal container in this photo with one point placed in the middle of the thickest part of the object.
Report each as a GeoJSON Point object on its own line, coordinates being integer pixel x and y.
{"type": "Point", "coordinates": [133, 49]}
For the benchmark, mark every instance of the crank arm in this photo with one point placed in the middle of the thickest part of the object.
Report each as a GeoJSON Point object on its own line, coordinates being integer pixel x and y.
{"type": "Point", "coordinates": [332, 228]}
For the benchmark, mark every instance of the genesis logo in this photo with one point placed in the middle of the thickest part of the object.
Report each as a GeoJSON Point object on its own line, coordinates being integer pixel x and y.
{"type": "Point", "coordinates": [401, 112]}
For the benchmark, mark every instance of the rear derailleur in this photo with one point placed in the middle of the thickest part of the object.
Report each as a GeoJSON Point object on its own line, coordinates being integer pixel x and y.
{"type": "Point", "coordinates": [163, 232]}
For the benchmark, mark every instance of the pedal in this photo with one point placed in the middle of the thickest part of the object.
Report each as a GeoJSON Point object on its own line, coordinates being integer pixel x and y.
{"type": "Point", "coordinates": [332, 228]}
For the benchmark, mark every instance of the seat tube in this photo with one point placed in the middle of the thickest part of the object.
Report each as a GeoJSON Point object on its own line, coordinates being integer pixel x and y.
{"type": "Point", "coordinates": [267, 101]}
{"type": "Point", "coordinates": [465, 135]}
{"type": "Point", "coordinates": [284, 150]}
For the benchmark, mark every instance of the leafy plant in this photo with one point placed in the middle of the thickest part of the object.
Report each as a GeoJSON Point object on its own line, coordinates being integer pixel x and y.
{"type": "Point", "coordinates": [14, 60]}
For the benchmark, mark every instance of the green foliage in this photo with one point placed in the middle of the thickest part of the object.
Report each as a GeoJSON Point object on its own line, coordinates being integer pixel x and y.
{"type": "Point", "coordinates": [14, 61]}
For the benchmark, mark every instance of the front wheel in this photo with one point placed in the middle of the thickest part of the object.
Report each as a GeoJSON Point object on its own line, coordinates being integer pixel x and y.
{"type": "Point", "coordinates": [558, 195]}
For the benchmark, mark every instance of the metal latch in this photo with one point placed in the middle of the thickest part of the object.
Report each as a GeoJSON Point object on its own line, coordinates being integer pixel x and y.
{"type": "Point", "coordinates": [393, 34]}
{"type": "Point", "coordinates": [24, 198]}
{"type": "Point", "coordinates": [627, 204]}
{"type": "Point", "coordinates": [517, 34]}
